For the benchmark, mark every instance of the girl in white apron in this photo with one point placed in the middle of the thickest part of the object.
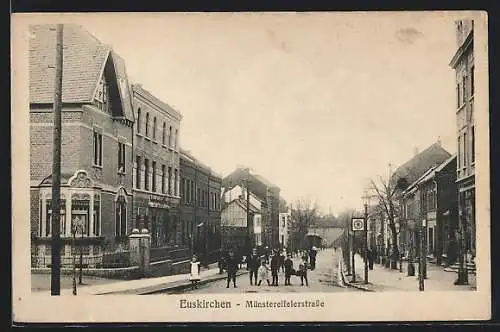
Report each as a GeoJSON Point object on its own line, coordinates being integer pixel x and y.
{"type": "Point", "coordinates": [195, 272]}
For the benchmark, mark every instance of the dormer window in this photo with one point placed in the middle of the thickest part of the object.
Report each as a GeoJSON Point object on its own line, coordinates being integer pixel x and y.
{"type": "Point", "coordinates": [101, 99]}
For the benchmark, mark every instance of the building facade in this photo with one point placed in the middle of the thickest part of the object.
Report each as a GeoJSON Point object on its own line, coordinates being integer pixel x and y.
{"type": "Point", "coordinates": [97, 138]}
{"type": "Point", "coordinates": [267, 193]}
{"type": "Point", "coordinates": [200, 207]}
{"type": "Point", "coordinates": [237, 234]}
{"type": "Point", "coordinates": [156, 168]}
{"type": "Point", "coordinates": [284, 229]}
{"type": "Point", "coordinates": [463, 64]}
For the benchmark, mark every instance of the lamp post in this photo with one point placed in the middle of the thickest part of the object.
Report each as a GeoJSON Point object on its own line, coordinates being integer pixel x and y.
{"type": "Point", "coordinates": [80, 276]}
{"type": "Point", "coordinates": [73, 231]}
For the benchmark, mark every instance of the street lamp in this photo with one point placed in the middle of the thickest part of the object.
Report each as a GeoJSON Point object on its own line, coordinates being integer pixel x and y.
{"type": "Point", "coordinates": [366, 199]}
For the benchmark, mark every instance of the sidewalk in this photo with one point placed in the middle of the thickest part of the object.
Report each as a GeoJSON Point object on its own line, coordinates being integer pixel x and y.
{"type": "Point", "coordinates": [145, 285]}
{"type": "Point", "coordinates": [385, 279]}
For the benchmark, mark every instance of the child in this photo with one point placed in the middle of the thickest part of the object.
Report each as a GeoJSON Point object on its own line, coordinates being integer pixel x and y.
{"type": "Point", "coordinates": [303, 272]}
{"type": "Point", "coordinates": [195, 272]}
{"type": "Point", "coordinates": [263, 273]}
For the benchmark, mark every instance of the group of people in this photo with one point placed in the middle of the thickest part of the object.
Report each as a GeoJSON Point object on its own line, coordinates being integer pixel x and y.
{"type": "Point", "coordinates": [260, 265]}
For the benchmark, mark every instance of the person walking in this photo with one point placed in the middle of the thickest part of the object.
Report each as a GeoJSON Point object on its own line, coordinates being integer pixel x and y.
{"type": "Point", "coordinates": [303, 271]}
{"type": "Point", "coordinates": [195, 272]}
{"type": "Point", "coordinates": [288, 264]}
{"type": "Point", "coordinates": [282, 260]}
{"type": "Point", "coordinates": [232, 268]}
{"type": "Point", "coordinates": [263, 273]}
{"type": "Point", "coordinates": [253, 263]}
{"type": "Point", "coordinates": [275, 265]}
{"type": "Point", "coordinates": [312, 257]}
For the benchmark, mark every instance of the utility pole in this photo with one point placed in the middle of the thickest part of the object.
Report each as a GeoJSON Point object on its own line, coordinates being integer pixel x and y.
{"type": "Point", "coordinates": [55, 282]}
{"type": "Point", "coordinates": [249, 219]}
{"type": "Point", "coordinates": [421, 254]}
{"type": "Point", "coordinates": [353, 245]}
{"type": "Point", "coordinates": [365, 232]}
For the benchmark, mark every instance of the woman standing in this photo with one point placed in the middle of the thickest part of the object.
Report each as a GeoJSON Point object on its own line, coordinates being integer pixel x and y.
{"type": "Point", "coordinates": [195, 272]}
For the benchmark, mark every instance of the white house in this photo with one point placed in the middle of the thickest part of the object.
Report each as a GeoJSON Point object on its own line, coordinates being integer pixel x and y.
{"type": "Point", "coordinates": [284, 229]}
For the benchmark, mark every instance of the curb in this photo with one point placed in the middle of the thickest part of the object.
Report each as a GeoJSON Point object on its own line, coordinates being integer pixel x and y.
{"type": "Point", "coordinates": [348, 284]}
{"type": "Point", "coordinates": [172, 288]}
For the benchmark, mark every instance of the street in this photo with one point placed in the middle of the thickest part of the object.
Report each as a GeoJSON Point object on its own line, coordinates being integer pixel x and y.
{"type": "Point", "coordinates": [322, 279]}
{"type": "Point", "coordinates": [41, 282]}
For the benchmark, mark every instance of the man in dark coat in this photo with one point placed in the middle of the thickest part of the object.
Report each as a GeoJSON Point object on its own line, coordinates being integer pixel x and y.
{"type": "Point", "coordinates": [288, 269]}
{"type": "Point", "coordinates": [312, 258]}
{"type": "Point", "coordinates": [275, 265]}
{"type": "Point", "coordinates": [253, 263]}
{"type": "Point", "coordinates": [232, 268]}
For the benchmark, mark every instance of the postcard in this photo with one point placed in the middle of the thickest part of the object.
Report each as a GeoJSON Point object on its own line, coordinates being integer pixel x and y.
{"type": "Point", "coordinates": [250, 167]}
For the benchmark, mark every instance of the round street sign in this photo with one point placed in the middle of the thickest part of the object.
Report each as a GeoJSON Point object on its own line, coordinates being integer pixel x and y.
{"type": "Point", "coordinates": [358, 224]}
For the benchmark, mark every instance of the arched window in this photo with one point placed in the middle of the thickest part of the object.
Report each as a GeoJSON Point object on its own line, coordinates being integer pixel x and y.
{"type": "Point", "coordinates": [138, 126]}
{"type": "Point", "coordinates": [147, 124]}
{"type": "Point", "coordinates": [154, 127]}
{"type": "Point", "coordinates": [163, 133]}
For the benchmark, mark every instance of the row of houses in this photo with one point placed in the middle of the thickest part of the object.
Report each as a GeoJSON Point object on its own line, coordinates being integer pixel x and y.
{"type": "Point", "coordinates": [435, 191]}
{"type": "Point", "coordinates": [250, 215]}
{"type": "Point", "coordinates": [122, 164]}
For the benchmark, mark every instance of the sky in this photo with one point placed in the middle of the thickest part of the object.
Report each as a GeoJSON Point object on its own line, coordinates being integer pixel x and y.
{"type": "Point", "coordinates": [316, 103]}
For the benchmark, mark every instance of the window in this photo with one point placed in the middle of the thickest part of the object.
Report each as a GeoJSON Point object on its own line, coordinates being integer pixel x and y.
{"type": "Point", "coordinates": [97, 149]}
{"type": "Point", "coordinates": [80, 211]}
{"type": "Point", "coordinates": [472, 81]}
{"type": "Point", "coordinates": [193, 199]}
{"type": "Point", "coordinates": [464, 88]}
{"type": "Point", "coordinates": [121, 157]}
{"type": "Point", "coordinates": [146, 174]}
{"type": "Point", "coordinates": [170, 136]}
{"type": "Point", "coordinates": [153, 182]}
{"type": "Point", "coordinates": [170, 180]}
{"type": "Point", "coordinates": [102, 96]}
{"type": "Point", "coordinates": [459, 154]}
{"type": "Point", "coordinates": [176, 186]}
{"type": "Point", "coordinates": [465, 150]}
{"type": "Point", "coordinates": [458, 95]}
{"type": "Point", "coordinates": [182, 195]}
{"type": "Point", "coordinates": [147, 125]}
{"type": "Point", "coordinates": [97, 216]}
{"type": "Point", "coordinates": [138, 121]}
{"type": "Point", "coordinates": [175, 138]}
{"type": "Point", "coordinates": [138, 172]}
{"type": "Point", "coordinates": [62, 218]}
{"type": "Point", "coordinates": [163, 133]}
{"type": "Point", "coordinates": [121, 217]}
{"type": "Point", "coordinates": [163, 176]}
{"type": "Point", "coordinates": [154, 128]}
{"type": "Point", "coordinates": [473, 145]}
{"type": "Point", "coordinates": [198, 197]}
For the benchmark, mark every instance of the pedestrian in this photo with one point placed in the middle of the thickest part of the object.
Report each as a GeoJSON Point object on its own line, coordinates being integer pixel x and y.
{"type": "Point", "coordinates": [263, 273]}
{"type": "Point", "coordinates": [303, 272]}
{"type": "Point", "coordinates": [232, 268]}
{"type": "Point", "coordinates": [222, 262]}
{"type": "Point", "coordinates": [312, 257]}
{"type": "Point", "coordinates": [195, 272]}
{"type": "Point", "coordinates": [275, 265]}
{"type": "Point", "coordinates": [370, 259]}
{"type": "Point", "coordinates": [288, 269]}
{"type": "Point", "coordinates": [253, 263]}
{"type": "Point", "coordinates": [282, 260]}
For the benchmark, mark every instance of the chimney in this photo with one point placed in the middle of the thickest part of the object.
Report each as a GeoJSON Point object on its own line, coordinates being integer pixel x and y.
{"type": "Point", "coordinates": [439, 140]}
{"type": "Point", "coordinates": [415, 151]}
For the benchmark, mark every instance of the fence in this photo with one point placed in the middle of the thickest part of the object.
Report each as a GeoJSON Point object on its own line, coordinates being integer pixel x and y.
{"type": "Point", "coordinates": [118, 259]}
{"type": "Point", "coordinates": [168, 253]}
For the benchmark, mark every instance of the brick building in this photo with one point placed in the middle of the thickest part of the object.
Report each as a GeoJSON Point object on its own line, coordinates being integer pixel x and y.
{"type": "Point", "coordinates": [200, 207]}
{"type": "Point", "coordinates": [463, 64]}
{"type": "Point", "coordinates": [156, 168]}
{"type": "Point", "coordinates": [268, 194]}
{"type": "Point", "coordinates": [97, 122]}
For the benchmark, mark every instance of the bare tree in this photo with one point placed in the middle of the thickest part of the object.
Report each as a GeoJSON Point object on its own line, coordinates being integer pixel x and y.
{"type": "Point", "coordinates": [303, 215]}
{"type": "Point", "coordinates": [283, 205]}
{"type": "Point", "coordinates": [385, 192]}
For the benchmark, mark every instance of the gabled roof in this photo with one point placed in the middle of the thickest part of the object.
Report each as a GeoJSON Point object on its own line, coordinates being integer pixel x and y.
{"type": "Point", "coordinates": [413, 169]}
{"type": "Point", "coordinates": [83, 62]}
{"type": "Point", "coordinates": [243, 204]}
{"type": "Point", "coordinates": [431, 173]}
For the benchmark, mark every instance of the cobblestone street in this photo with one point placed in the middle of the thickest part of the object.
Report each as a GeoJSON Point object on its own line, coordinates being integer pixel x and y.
{"type": "Point", "coordinates": [322, 279]}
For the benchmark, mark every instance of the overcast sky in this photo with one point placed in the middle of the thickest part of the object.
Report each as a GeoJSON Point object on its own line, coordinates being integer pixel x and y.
{"type": "Point", "coordinates": [316, 103]}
